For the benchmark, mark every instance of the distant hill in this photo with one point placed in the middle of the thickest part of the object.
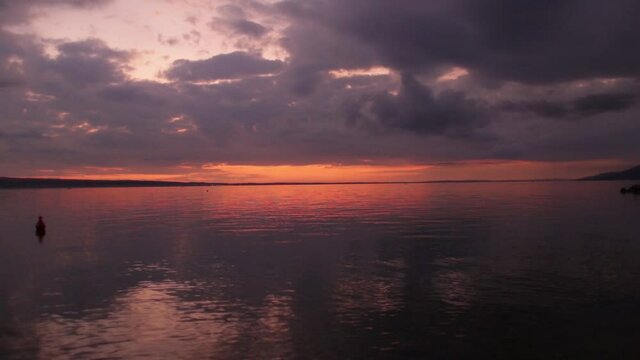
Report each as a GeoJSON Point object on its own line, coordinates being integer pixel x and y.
{"type": "Point", "coordinates": [14, 183]}
{"type": "Point", "coordinates": [629, 174]}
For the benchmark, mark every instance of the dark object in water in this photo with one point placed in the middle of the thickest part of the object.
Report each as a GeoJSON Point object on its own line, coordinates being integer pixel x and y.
{"type": "Point", "coordinates": [41, 228]}
{"type": "Point", "coordinates": [635, 189]}
{"type": "Point", "coordinates": [40, 225]}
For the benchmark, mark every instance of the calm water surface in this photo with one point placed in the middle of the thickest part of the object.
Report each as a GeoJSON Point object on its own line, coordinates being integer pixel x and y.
{"type": "Point", "coordinates": [428, 271]}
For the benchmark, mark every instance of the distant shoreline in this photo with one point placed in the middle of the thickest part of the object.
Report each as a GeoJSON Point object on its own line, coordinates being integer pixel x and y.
{"type": "Point", "coordinates": [632, 174]}
{"type": "Point", "coordinates": [36, 183]}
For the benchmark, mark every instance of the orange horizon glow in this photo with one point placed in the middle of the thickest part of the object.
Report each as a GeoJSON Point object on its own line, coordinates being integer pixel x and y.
{"type": "Point", "coordinates": [232, 173]}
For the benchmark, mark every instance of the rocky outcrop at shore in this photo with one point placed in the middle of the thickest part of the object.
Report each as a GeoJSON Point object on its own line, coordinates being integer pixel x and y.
{"type": "Point", "coordinates": [629, 174]}
{"type": "Point", "coordinates": [635, 189]}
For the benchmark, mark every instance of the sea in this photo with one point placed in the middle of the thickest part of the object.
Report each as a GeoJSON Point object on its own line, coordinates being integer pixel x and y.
{"type": "Point", "coordinates": [508, 270]}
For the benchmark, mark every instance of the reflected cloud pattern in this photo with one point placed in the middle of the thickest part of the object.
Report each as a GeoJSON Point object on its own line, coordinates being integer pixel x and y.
{"type": "Point", "coordinates": [512, 270]}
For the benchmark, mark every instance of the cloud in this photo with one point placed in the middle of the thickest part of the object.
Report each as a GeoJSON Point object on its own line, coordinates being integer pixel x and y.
{"type": "Point", "coordinates": [535, 42]}
{"type": "Point", "coordinates": [91, 48]}
{"type": "Point", "coordinates": [226, 66]}
{"type": "Point", "coordinates": [15, 54]}
{"type": "Point", "coordinates": [417, 109]}
{"type": "Point", "coordinates": [233, 19]}
{"type": "Point", "coordinates": [247, 27]}
{"type": "Point", "coordinates": [601, 103]}
{"type": "Point", "coordinates": [87, 62]}
{"type": "Point", "coordinates": [169, 41]}
{"type": "Point", "coordinates": [542, 108]}
{"type": "Point", "coordinates": [581, 107]}
{"type": "Point", "coordinates": [14, 12]}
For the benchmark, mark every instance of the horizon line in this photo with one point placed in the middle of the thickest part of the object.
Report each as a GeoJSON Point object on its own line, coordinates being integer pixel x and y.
{"type": "Point", "coordinates": [51, 182]}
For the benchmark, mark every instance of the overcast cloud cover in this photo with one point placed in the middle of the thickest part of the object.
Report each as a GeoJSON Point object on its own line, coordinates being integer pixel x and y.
{"type": "Point", "coordinates": [447, 81]}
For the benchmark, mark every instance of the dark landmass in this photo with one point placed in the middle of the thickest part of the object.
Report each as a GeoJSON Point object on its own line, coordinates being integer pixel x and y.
{"type": "Point", "coordinates": [34, 183]}
{"type": "Point", "coordinates": [629, 174]}
{"type": "Point", "coordinates": [30, 183]}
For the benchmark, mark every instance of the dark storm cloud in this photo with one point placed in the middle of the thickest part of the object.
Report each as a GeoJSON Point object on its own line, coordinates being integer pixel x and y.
{"type": "Point", "coordinates": [417, 109]}
{"type": "Point", "coordinates": [303, 79]}
{"type": "Point", "coordinates": [226, 66]}
{"type": "Point", "coordinates": [528, 41]}
{"type": "Point", "coordinates": [10, 74]}
{"type": "Point", "coordinates": [541, 45]}
{"type": "Point", "coordinates": [15, 50]}
{"type": "Point", "coordinates": [23, 63]}
{"type": "Point", "coordinates": [600, 103]}
{"type": "Point", "coordinates": [88, 62]}
{"type": "Point", "coordinates": [542, 108]}
{"type": "Point", "coordinates": [581, 107]}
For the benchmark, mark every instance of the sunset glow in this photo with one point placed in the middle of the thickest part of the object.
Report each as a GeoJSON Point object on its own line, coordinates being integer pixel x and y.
{"type": "Point", "coordinates": [225, 173]}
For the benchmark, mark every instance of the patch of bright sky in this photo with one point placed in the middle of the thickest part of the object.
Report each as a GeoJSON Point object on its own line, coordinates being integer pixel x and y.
{"type": "Point", "coordinates": [374, 71]}
{"type": "Point", "coordinates": [465, 170]}
{"type": "Point", "coordinates": [159, 31]}
{"type": "Point", "coordinates": [453, 74]}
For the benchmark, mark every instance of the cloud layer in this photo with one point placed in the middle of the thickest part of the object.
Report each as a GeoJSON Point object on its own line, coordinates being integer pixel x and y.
{"type": "Point", "coordinates": [353, 82]}
{"type": "Point", "coordinates": [236, 65]}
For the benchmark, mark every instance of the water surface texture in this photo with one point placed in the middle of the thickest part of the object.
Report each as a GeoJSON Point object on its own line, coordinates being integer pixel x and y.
{"type": "Point", "coordinates": [433, 271]}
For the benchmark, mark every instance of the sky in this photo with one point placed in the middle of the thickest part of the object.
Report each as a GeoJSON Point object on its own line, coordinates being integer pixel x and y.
{"type": "Point", "coordinates": [318, 90]}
